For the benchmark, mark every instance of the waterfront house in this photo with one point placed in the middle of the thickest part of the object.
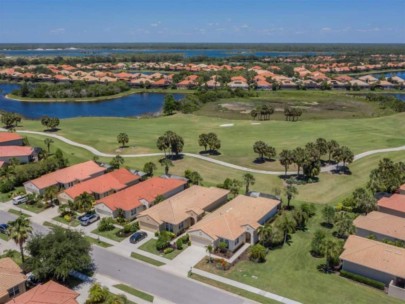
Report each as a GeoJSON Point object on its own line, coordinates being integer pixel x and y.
{"type": "Point", "coordinates": [137, 198]}
{"type": "Point", "coordinates": [394, 205]}
{"type": "Point", "coordinates": [181, 211]}
{"type": "Point", "coordinates": [24, 154]}
{"type": "Point", "coordinates": [235, 223]}
{"type": "Point", "coordinates": [65, 178]}
{"type": "Point", "coordinates": [10, 139]}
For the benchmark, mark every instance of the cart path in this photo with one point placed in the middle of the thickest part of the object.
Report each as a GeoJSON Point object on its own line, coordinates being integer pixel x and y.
{"type": "Point", "coordinates": [201, 157]}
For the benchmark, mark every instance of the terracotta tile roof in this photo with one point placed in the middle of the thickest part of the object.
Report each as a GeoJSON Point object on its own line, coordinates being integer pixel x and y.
{"type": "Point", "coordinates": [375, 255]}
{"type": "Point", "coordinates": [10, 275]}
{"type": "Point", "coordinates": [228, 221]}
{"type": "Point", "coordinates": [115, 180]}
{"type": "Point", "coordinates": [382, 223]}
{"type": "Point", "coordinates": [176, 209]}
{"type": "Point", "coordinates": [395, 202]}
{"type": "Point", "coordinates": [9, 136]}
{"type": "Point", "coordinates": [73, 173]}
{"type": "Point", "coordinates": [148, 190]}
{"type": "Point", "coordinates": [48, 293]}
{"type": "Point", "coordinates": [15, 151]}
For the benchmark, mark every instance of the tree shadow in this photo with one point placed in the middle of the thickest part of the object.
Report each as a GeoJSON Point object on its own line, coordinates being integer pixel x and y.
{"type": "Point", "coordinates": [52, 130]}
{"type": "Point", "coordinates": [324, 269]}
{"type": "Point", "coordinates": [327, 225]}
{"type": "Point", "coordinates": [341, 170]}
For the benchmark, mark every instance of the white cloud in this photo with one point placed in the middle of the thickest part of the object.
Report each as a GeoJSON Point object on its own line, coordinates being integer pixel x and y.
{"type": "Point", "coordinates": [155, 24]}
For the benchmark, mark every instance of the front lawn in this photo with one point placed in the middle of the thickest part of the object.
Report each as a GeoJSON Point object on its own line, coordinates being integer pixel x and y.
{"type": "Point", "coordinates": [72, 223]}
{"type": "Point", "coordinates": [291, 271]}
{"type": "Point", "coordinates": [112, 234]}
{"type": "Point", "coordinates": [97, 242]}
{"type": "Point", "coordinates": [18, 212]}
{"type": "Point", "coordinates": [4, 237]}
{"type": "Point", "coordinates": [32, 208]}
{"type": "Point", "coordinates": [150, 246]}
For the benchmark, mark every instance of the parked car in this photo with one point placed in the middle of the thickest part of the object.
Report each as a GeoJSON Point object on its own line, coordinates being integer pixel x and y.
{"type": "Point", "coordinates": [87, 219]}
{"type": "Point", "coordinates": [32, 281]}
{"type": "Point", "coordinates": [137, 237]}
{"type": "Point", "coordinates": [20, 199]}
{"type": "Point", "coordinates": [3, 228]}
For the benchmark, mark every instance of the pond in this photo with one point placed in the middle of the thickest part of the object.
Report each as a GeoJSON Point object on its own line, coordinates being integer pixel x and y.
{"type": "Point", "coordinates": [128, 106]}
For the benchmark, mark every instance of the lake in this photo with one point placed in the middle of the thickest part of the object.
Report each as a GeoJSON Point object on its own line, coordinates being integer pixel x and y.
{"type": "Point", "coordinates": [128, 106]}
{"type": "Point", "coordinates": [213, 53]}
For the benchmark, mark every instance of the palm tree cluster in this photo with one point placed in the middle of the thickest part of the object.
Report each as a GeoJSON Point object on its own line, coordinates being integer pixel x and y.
{"type": "Point", "coordinates": [262, 112]}
{"type": "Point", "coordinates": [210, 141]}
{"type": "Point", "coordinates": [264, 150]}
{"type": "Point", "coordinates": [292, 113]}
{"type": "Point", "coordinates": [170, 142]}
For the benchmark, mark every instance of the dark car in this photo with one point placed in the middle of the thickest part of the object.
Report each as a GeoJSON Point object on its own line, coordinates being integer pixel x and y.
{"type": "Point", "coordinates": [87, 219]}
{"type": "Point", "coordinates": [137, 236]}
{"type": "Point", "coordinates": [32, 281]}
{"type": "Point", "coordinates": [3, 228]}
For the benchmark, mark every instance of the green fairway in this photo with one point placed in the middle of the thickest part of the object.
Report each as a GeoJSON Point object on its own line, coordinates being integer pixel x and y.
{"type": "Point", "coordinates": [237, 140]}
{"type": "Point", "coordinates": [292, 272]}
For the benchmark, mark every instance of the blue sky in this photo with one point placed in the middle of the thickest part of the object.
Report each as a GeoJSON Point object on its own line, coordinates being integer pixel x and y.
{"type": "Point", "coordinates": [358, 21]}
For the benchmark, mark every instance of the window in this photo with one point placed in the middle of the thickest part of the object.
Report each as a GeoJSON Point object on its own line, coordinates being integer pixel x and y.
{"type": "Point", "coordinates": [12, 292]}
{"type": "Point", "coordinates": [237, 241]}
{"type": "Point", "coordinates": [181, 225]}
{"type": "Point", "coordinates": [169, 227]}
{"type": "Point", "coordinates": [133, 211]}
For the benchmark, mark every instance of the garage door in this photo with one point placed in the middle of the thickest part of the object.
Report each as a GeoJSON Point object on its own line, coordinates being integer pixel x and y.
{"type": "Point", "coordinates": [148, 226]}
{"type": "Point", "coordinates": [103, 212]}
{"type": "Point", "coordinates": [199, 241]}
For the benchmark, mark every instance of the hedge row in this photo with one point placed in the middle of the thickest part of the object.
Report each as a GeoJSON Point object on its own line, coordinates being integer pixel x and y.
{"type": "Point", "coordinates": [361, 279]}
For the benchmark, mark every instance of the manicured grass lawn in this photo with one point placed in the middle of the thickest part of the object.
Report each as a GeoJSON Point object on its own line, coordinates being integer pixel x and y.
{"type": "Point", "coordinates": [135, 292]}
{"type": "Point", "coordinates": [235, 290]}
{"type": "Point", "coordinates": [5, 197]}
{"type": "Point", "coordinates": [97, 242]}
{"type": "Point", "coordinates": [73, 223]}
{"type": "Point", "coordinates": [146, 259]}
{"type": "Point", "coordinates": [150, 246]}
{"type": "Point", "coordinates": [18, 212]}
{"type": "Point", "coordinates": [32, 208]}
{"type": "Point", "coordinates": [4, 237]}
{"type": "Point", "coordinates": [236, 141]}
{"type": "Point", "coordinates": [109, 234]}
{"type": "Point", "coordinates": [292, 272]}
{"type": "Point", "coordinates": [51, 225]}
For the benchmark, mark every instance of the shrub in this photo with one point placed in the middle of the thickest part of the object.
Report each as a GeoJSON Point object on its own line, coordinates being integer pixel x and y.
{"type": "Point", "coordinates": [6, 185]}
{"type": "Point", "coordinates": [106, 224]}
{"type": "Point", "coordinates": [156, 233]}
{"type": "Point", "coordinates": [185, 238]}
{"type": "Point", "coordinates": [179, 244]}
{"type": "Point", "coordinates": [361, 279]}
{"type": "Point", "coordinates": [135, 227]}
{"type": "Point", "coordinates": [67, 218]}
{"type": "Point", "coordinates": [168, 250]}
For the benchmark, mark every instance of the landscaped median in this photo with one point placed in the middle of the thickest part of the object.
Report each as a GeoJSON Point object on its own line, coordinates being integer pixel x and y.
{"type": "Point", "coordinates": [18, 212]}
{"type": "Point", "coordinates": [146, 259]}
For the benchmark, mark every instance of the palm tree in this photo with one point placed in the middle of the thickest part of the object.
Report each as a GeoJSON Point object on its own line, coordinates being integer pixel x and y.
{"type": "Point", "coordinates": [48, 142]}
{"type": "Point", "coordinates": [50, 194]}
{"type": "Point", "coordinates": [249, 179]}
{"type": "Point", "coordinates": [286, 224]}
{"type": "Point", "coordinates": [209, 249]}
{"type": "Point", "coordinates": [265, 233]}
{"type": "Point", "coordinates": [166, 163]}
{"type": "Point", "coordinates": [286, 159]}
{"type": "Point", "coordinates": [19, 230]}
{"type": "Point", "coordinates": [330, 248]}
{"type": "Point", "coordinates": [290, 191]}
{"type": "Point", "coordinates": [84, 202]}
{"type": "Point", "coordinates": [117, 162]}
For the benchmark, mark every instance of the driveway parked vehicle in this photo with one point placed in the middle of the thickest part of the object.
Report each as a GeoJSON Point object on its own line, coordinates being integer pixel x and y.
{"type": "Point", "coordinates": [137, 237]}
{"type": "Point", "coordinates": [3, 228]}
{"type": "Point", "coordinates": [87, 219]}
{"type": "Point", "coordinates": [20, 199]}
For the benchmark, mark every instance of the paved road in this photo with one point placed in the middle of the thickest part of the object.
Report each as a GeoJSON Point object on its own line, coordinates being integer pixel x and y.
{"type": "Point", "coordinates": [163, 284]}
{"type": "Point", "coordinates": [6, 217]}
{"type": "Point", "coordinates": [198, 156]}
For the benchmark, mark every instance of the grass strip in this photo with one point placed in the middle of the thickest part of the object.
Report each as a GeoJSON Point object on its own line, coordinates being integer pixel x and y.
{"type": "Point", "coordinates": [135, 292]}
{"type": "Point", "coordinates": [97, 242]}
{"type": "Point", "coordinates": [18, 212]}
{"type": "Point", "coordinates": [235, 290]}
{"type": "Point", "coordinates": [146, 259]}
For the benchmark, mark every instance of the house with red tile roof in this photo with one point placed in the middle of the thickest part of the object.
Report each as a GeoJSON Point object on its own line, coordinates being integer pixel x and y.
{"type": "Point", "coordinates": [10, 139]}
{"type": "Point", "coordinates": [24, 154]}
{"type": "Point", "coordinates": [12, 280]}
{"type": "Point", "coordinates": [394, 204]}
{"type": "Point", "coordinates": [65, 178]}
{"type": "Point", "coordinates": [101, 186]}
{"type": "Point", "coordinates": [137, 198]}
{"type": "Point", "coordinates": [48, 293]}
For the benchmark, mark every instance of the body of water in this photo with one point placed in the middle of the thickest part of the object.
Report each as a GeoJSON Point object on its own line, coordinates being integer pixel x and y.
{"type": "Point", "coordinates": [128, 106]}
{"type": "Point", "coordinates": [213, 53]}
{"type": "Point", "coordinates": [387, 75]}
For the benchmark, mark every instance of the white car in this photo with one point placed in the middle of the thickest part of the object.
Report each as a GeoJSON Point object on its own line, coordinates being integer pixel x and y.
{"type": "Point", "coordinates": [20, 199]}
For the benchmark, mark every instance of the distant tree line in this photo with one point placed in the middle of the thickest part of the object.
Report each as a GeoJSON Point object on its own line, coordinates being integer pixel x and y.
{"type": "Point", "coordinates": [76, 89]}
